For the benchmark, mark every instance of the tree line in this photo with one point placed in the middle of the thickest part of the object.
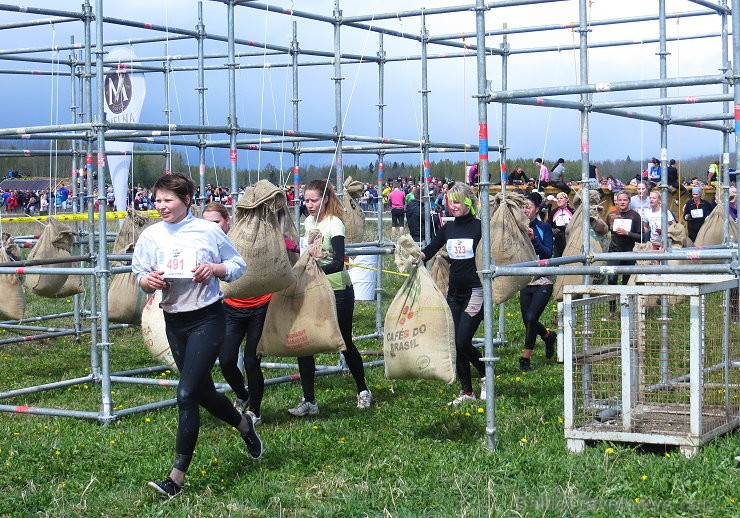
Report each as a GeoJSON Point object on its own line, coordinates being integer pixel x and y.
{"type": "Point", "coordinates": [147, 168]}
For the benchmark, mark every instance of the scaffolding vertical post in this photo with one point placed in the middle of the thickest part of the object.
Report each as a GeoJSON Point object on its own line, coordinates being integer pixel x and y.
{"type": "Point", "coordinates": [425, 117]}
{"type": "Point", "coordinates": [586, 102]}
{"type": "Point", "coordinates": [233, 126]}
{"type": "Point", "coordinates": [724, 179]}
{"type": "Point", "coordinates": [166, 68]}
{"type": "Point", "coordinates": [503, 146]}
{"type": "Point", "coordinates": [664, 118]}
{"type": "Point", "coordinates": [379, 324]}
{"type": "Point", "coordinates": [338, 130]}
{"type": "Point", "coordinates": [91, 242]}
{"type": "Point", "coordinates": [200, 28]}
{"type": "Point", "coordinates": [736, 83]}
{"type": "Point", "coordinates": [76, 300]}
{"type": "Point", "coordinates": [100, 125]}
{"type": "Point", "coordinates": [480, 26]}
{"type": "Point", "coordinates": [294, 51]}
{"type": "Point", "coordinates": [665, 115]}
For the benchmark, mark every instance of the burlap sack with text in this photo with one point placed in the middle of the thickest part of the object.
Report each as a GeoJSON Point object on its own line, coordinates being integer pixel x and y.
{"type": "Point", "coordinates": [302, 320]}
{"type": "Point", "coordinates": [419, 336]}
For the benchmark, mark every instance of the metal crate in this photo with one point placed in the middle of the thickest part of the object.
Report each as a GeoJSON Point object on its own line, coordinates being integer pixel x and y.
{"type": "Point", "coordinates": [657, 363]}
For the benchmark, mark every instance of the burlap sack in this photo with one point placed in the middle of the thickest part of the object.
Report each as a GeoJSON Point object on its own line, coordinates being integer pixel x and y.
{"type": "Point", "coordinates": [154, 332]}
{"type": "Point", "coordinates": [712, 231]}
{"type": "Point", "coordinates": [440, 270]}
{"type": "Point", "coordinates": [510, 244]}
{"type": "Point", "coordinates": [72, 286]}
{"type": "Point", "coordinates": [574, 242]}
{"type": "Point", "coordinates": [55, 242]}
{"type": "Point", "coordinates": [125, 298]}
{"type": "Point", "coordinates": [419, 336]}
{"type": "Point", "coordinates": [257, 235]}
{"type": "Point", "coordinates": [678, 236]}
{"type": "Point", "coordinates": [354, 218]}
{"type": "Point", "coordinates": [302, 320]}
{"type": "Point", "coordinates": [13, 300]}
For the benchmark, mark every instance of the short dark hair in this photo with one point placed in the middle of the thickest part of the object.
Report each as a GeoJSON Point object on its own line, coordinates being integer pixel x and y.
{"type": "Point", "coordinates": [535, 198]}
{"type": "Point", "coordinates": [179, 184]}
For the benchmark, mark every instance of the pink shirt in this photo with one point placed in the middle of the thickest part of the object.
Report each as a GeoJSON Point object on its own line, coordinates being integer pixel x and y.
{"type": "Point", "coordinates": [397, 198]}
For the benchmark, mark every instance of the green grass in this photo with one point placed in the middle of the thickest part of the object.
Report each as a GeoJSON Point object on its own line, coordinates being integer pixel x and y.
{"type": "Point", "coordinates": [410, 455]}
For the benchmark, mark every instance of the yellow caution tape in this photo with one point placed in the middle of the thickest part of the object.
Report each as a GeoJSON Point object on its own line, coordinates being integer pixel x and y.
{"type": "Point", "coordinates": [371, 268]}
{"type": "Point", "coordinates": [73, 217]}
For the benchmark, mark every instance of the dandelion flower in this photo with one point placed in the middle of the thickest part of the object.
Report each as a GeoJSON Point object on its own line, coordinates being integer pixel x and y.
{"type": "Point", "coordinates": [609, 451]}
{"type": "Point", "coordinates": [57, 452]}
{"type": "Point", "coordinates": [518, 378]}
{"type": "Point", "coordinates": [732, 500]}
{"type": "Point", "coordinates": [560, 420]}
{"type": "Point", "coordinates": [644, 477]}
{"type": "Point", "coordinates": [214, 460]}
{"type": "Point", "coordinates": [467, 414]}
{"type": "Point", "coordinates": [147, 420]}
{"type": "Point", "coordinates": [343, 439]}
{"type": "Point", "coordinates": [480, 410]}
{"type": "Point", "coordinates": [523, 440]}
{"type": "Point", "coordinates": [315, 427]}
{"type": "Point", "coordinates": [113, 441]}
{"type": "Point", "coordinates": [637, 500]}
{"type": "Point", "coordinates": [667, 455]}
{"type": "Point", "coordinates": [202, 473]}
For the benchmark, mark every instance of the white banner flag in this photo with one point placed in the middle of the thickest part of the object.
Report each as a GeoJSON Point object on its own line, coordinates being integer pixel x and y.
{"type": "Point", "coordinates": [124, 97]}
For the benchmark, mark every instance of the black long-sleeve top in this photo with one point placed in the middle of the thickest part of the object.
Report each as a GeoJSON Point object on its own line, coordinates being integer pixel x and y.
{"type": "Point", "coordinates": [461, 237]}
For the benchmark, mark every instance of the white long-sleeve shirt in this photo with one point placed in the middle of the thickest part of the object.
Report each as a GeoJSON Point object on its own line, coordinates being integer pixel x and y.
{"type": "Point", "coordinates": [209, 244]}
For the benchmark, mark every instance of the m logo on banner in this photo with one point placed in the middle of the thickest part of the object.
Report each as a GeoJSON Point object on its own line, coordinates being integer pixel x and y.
{"type": "Point", "coordinates": [117, 91]}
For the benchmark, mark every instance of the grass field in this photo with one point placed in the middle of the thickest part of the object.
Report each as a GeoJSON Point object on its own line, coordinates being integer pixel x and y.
{"type": "Point", "coordinates": [410, 455]}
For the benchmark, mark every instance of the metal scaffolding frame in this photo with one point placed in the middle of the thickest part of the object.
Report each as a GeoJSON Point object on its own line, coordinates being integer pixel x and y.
{"type": "Point", "coordinates": [88, 131]}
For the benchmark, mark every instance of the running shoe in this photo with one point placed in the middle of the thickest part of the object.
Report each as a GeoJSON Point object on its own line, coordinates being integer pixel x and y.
{"type": "Point", "coordinates": [166, 488]}
{"type": "Point", "coordinates": [304, 408]}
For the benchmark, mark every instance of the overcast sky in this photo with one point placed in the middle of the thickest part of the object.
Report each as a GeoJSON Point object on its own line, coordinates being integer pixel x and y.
{"type": "Point", "coordinates": [264, 96]}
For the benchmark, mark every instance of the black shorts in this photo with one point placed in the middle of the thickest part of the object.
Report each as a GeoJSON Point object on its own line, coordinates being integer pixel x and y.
{"type": "Point", "coordinates": [397, 217]}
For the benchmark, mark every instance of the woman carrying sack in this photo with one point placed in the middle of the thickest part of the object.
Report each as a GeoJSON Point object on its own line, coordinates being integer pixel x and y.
{"type": "Point", "coordinates": [244, 318]}
{"type": "Point", "coordinates": [460, 237]}
{"type": "Point", "coordinates": [534, 297]}
{"type": "Point", "coordinates": [325, 214]}
{"type": "Point", "coordinates": [185, 257]}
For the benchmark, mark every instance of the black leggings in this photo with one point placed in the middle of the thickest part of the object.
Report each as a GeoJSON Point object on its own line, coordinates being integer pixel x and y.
{"type": "Point", "coordinates": [241, 322]}
{"type": "Point", "coordinates": [465, 328]}
{"type": "Point", "coordinates": [532, 302]}
{"type": "Point", "coordinates": [307, 364]}
{"type": "Point", "coordinates": [195, 339]}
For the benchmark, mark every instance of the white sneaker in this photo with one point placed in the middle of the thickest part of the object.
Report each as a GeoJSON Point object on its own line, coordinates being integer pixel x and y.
{"type": "Point", "coordinates": [483, 389]}
{"type": "Point", "coordinates": [304, 408]}
{"type": "Point", "coordinates": [241, 405]}
{"type": "Point", "coordinates": [462, 398]}
{"type": "Point", "coordinates": [364, 399]}
{"type": "Point", "coordinates": [255, 418]}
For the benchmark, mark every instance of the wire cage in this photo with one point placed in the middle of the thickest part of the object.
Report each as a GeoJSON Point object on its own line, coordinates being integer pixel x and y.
{"type": "Point", "coordinates": [655, 363]}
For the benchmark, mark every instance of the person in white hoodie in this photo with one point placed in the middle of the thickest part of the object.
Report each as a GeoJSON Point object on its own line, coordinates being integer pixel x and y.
{"type": "Point", "coordinates": [185, 257]}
